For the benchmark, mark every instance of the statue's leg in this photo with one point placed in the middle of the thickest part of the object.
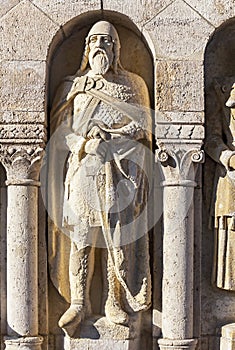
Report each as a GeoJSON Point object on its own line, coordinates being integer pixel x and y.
{"type": "Point", "coordinates": [81, 269]}
{"type": "Point", "coordinates": [113, 307]}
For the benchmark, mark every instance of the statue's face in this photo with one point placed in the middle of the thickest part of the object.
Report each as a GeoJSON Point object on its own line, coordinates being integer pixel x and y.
{"type": "Point", "coordinates": [101, 53]}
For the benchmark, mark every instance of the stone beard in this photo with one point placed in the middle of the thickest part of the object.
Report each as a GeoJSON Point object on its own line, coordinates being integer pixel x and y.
{"type": "Point", "coordinates": [95, 111]}
{"type": "Point", "coordinates": [99, 61]}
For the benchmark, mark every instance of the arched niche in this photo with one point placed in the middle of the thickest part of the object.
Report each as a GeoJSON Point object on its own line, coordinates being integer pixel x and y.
{"type": "Point", "coordinates": [220, 53]}
{"type": "Point", "coordinates": [64, 59]}
{"type": "Point", "coordinates": [65, 54]}
{"type": "Point", "coordinates": [218, 305]}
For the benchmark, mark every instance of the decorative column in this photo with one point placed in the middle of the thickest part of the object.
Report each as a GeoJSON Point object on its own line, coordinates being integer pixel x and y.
{"type": "Point", "coordinates": [178, 169]}
{"type": "Point", "coordinates": [22, 164]}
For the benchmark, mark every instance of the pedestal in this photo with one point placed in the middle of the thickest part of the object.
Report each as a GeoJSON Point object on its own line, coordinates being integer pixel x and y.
{"type": "Point", "coordinates": [227, 341]}
{"type": "Point", "coordinates": [99, 333]}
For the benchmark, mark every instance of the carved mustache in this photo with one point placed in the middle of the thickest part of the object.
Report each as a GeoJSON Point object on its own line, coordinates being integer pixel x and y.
{"type": "Point", "coordinates": [98, 52]}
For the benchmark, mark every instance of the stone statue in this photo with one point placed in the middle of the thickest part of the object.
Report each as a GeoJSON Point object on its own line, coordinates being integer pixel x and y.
{"type": "Point", "coordinates": [103, 115]}
{"type": "Point", "coordinates": [220, 146]}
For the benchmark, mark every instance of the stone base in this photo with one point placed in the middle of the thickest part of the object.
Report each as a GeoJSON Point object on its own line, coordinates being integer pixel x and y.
{"type": "Point", "coordinates": [227, 341]}
{"type": "Point", "coordinates": [102, 344]}
{"type": "Point", "coordinates": [27, 343]}
{"type": "Point", "coordinates": [99, 333]}
{"type": "Point", "coordinates": [168, 344]}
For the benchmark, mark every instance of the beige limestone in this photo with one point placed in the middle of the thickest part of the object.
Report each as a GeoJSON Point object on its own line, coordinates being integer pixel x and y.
{"type": "Point", "coordinates": [63, 11]}
{"type": "Point", "coordinates": [99, 109]}
{"type": "Point", "coordinates": [19, 117]}
{"type": "Point", "coordinates": [196, 118]}
{"type": "Point", "coordinates": [180, 131]}
{"type": "Point", "coordinates": [27, 80]}
{"type": "Point", "coordinates": [179, 32]}
{"type": "Point", "coordinates": [214, 11]}
{"type": "Point", "coordinates": [22, 261]}
{"type": "Point", "coordinates": [177, 86]}
{"type": "Point", "coordinates": [139, 11]}
{"type": "Point", "coordinates": [6, 6]}
{"type": "Point", "coordinates": [26, 33]}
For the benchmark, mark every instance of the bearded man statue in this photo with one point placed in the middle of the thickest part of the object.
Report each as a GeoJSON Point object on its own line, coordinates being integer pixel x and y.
{"type": "Point", "coordinates": [98, 184]}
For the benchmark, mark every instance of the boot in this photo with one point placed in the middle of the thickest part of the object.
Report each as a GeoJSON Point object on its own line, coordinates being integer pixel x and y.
{"type": "Point", "coordinates": [113, 308]}
{"type": "Point", "coordinates": [81, 271]}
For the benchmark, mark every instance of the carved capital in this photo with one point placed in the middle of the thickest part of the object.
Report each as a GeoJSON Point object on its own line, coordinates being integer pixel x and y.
{"type": "Point", "coordinates": [179, 166]}
{"type": "Point", "coordinates": [22, 163]}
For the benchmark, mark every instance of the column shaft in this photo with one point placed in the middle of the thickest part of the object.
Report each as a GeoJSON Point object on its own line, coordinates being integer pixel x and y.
{"type": "Point", "coordinates": [22, 274]}
{"type": "Point", "coordinates": [177, 322]}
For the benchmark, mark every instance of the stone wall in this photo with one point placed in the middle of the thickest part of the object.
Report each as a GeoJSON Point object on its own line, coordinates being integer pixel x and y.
{"type": "Point", "coordinates": [176, 51]}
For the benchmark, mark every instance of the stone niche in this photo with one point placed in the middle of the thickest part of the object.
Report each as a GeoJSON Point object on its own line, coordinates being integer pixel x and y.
{"type": "Point", "coordinates": [64, 59]}
{"type": "Point", "coordinates": [217, 305]}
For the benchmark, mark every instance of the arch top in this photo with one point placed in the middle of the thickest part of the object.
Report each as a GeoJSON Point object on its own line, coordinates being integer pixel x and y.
{"type": "Point", "coordinates": [66, 51]}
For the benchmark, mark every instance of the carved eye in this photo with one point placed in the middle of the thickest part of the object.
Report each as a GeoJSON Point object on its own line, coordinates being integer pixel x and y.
{"type": "Point", "coordinates": [93, 39]}
{"type": "Point", "coordinates": [107, 40]}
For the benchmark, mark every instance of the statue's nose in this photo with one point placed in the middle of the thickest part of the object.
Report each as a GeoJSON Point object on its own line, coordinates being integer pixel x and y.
{"type": "Point", "coordinates": [99, 42]}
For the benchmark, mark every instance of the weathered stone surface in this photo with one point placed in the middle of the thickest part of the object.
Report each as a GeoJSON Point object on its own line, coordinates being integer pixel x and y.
{"type": "Point", "coordinates": [22, 117]}
{"type": "Point", "coordinates": [178, 32]}
{"type": "Point", "coordinates": [139, 11]}
{"type": "Point", "coordinates": [107, 344]}
{"type": "Point", "coordinates": [6, 6]}
{"type": "Point", "coordinates": [180, 131]}
{"type": "Point", "coordinates": [63, 11]}
{"type": "Point", "coordinates": [215, 11]}
{"type": "Point", "coordinates": [177, 86]}
{"type": "Point", "coordinates": [25, 131]}
{"type": "Point", "coordinates": [26, 33]}
{"type": "Point", "coordinates": [180, 117]}
{"type": "Point", "coordinates": [22, 85]}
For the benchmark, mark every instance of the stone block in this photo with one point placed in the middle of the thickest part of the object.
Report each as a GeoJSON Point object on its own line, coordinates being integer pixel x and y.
{"type": "Point", "coordinates": [63, 11]}
{"type": "Point", "coordinates": [179, 32]}
{"type": "Point", "coordinates": [179, 131]}
{"type": "Point", "coordinates": [179, 86]}
{"type": "Point", "coordinates": [26, 33]}
{"type": "Point", "coordinates": [11, 117]}
{"type": "Point", "coordinates": [6, 6]}
{"type": "Point", "coordinates": [22, 85]}
{"type": "Point", "coordinates": [22, 132]}
{"type": "Point", "coordinates": [180, 117]}
{"type": "Point", "coordinates": [139, 11]}
{"type": "Point", "coordinates": [107, 344]}
{"type": "Point", "coordinates": [98, 332]}
{"type": "Point", "coordinates": [214, 11]}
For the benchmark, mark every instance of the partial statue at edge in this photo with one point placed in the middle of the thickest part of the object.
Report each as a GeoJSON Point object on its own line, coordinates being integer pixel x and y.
{"type": "Point", "coordinates": [103, 113]}
{"type": "Point", "coordinates": [220, 145]}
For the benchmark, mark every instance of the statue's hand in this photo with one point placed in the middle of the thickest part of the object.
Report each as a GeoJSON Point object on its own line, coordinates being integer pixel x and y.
{"type": "Point", "coordinates": [97, 133]}
{"type": "Point", "coordinates": [232, 162]}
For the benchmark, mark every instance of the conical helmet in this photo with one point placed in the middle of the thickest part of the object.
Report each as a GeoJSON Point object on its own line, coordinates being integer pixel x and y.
{"type": "Point", "coordinates": [105, 28]}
